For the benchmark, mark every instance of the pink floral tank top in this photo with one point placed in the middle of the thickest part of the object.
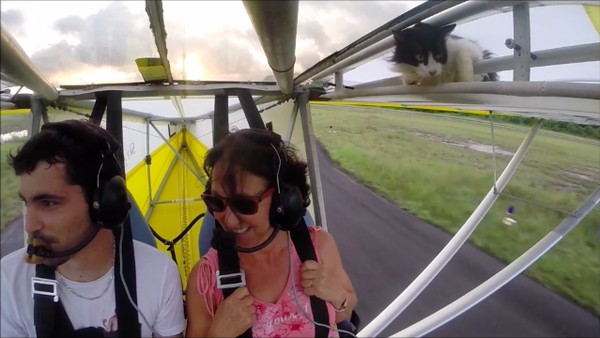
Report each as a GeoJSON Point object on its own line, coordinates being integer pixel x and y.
{"type": "Point", "coordinates": [279, 319]}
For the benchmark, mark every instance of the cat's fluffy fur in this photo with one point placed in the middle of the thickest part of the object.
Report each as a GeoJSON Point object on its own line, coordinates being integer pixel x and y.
{"type": "Point", "coordinates": [430, 55]}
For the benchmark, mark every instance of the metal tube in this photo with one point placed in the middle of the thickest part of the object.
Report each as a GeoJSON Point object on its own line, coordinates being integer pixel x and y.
{"type": "Point", "coordinates": [99, 108]}
{"type": "Point", "coordinates": [162, 185]}
{"type": "Point", "coordinates": [15, 63]}
{"type": "Point", "coordinates": [128, 114]}
{"type": "Point", "coordinates": [549, 57]}
{"type": "Point", "coordinates": [37, 109]}
{"type": "Point", "coordinates": [114, 123]}
{"type": "Point", "coordinates": [148, 160]}
{"type": "Point", "coordinates": [154, 9]}
{"type": "Point", "coordinates": [386, 317]}
{"type": "Point", "coordinates": [494, 283]}
{"type": "Point", "coordinates": [533, 88]}
{"type": "Point", "coordinates": [253, 117]}
{"type": "Point", "coordinates": [276, 23]}
{"type": "Point", "coordinates": [359, 58]}
{"type": "Point", "coordinates": [145, 90]}
{"type": "Point", "coordinates": [176, 152]}
{"type": "Point", "coordinates": [291, 123]}
{"type": "Point", "coordinates": [191, 199]}
{"type": "Point", "coordinates": [339, 81]}
{"type": "Point", "coordinates": [522, 49]}
{"type": "Point", "coordinates": [220, 118]}
{"type": "Point", "coordinates": [312, 159]}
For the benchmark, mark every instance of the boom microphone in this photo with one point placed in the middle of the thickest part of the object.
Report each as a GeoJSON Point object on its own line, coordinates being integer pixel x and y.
{"type": "Point", "coordinates": [36, 253]}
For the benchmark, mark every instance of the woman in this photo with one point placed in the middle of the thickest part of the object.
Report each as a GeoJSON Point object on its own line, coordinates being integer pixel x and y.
{"type": "Point", "coordinates": [249, 171]}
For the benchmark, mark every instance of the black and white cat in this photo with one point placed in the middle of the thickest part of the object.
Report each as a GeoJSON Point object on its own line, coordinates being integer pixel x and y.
{"type": "Point", "coordinates": [430, 55]}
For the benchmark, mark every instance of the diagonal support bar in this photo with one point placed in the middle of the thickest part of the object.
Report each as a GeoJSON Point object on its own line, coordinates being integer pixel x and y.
{"type": "Point", "coordinates": [220, 118]}
{"type": "Point", "coordinates": [253, 117]}
{"type": "Point", "coordinates": [99, 108]}
{"type": "Point", "coordinates": [154, 198]}
{"type": "Point", "coordinates": [314, 173]}
{"type": "Point", "coordinates": [390, 313]}
{"type": "Point", "coordinates": [198, 176]}
{"type": "Point", "coordinates": [497, 281]}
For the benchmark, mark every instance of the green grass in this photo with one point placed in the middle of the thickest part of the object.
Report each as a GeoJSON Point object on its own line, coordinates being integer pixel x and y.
{"type": "Point", "coordinates": [409, 159]}
{"type": "Point", "coordinates": [14, 122]}
{"type": "Point", "coordinates": [10, 204]}
{"type": "Point", "coordinates": [9, 200]}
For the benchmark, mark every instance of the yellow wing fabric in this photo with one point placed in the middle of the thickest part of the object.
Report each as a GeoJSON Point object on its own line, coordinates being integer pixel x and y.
{"type": "Point", "coordinates": [170, 199]}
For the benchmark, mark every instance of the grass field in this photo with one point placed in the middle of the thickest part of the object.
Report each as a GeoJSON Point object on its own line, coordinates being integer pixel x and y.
{"type": "Point", "coordinates": [437, 167]}
{"type": "Point", "coordinates": [10, 204]}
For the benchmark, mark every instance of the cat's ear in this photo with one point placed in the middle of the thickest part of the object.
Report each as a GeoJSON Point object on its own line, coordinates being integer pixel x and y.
{"type": "Point", "coordinates": [399, 35]}
{"type": "Point", "coordinates": [445, 30]}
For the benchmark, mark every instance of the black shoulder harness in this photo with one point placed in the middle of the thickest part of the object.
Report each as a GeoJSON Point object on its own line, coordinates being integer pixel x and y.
{"type": "Point", "coordinates": [50, 317]}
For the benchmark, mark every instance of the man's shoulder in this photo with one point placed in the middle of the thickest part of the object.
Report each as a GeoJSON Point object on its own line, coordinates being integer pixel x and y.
{"type": "Point", "coordinates": [14, 270]}
{"type": "Point", "coordinates": [13, 260]}
{"type": "Point", "coordinates": [150, 254]}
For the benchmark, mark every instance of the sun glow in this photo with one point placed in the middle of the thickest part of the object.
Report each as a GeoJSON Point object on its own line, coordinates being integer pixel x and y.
{"type": "Point", "coordinates": [190, 68]}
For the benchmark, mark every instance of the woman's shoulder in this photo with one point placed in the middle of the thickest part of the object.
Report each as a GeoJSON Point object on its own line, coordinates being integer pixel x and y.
{"type": "Point", "coordinates": [323, 241]}
{"type": "Point", "coordinates": [319, 234]}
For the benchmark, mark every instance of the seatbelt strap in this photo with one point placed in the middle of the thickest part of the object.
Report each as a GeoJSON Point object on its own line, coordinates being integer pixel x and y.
{"type": "Point", "coordinates": [127, 315]}
{"type": "Point", "coordinates": [49, 315]}
{"type": "Point", "coordinates": [306, 251]}
{"type": "Point", "coordinates": [230, 273]}
{"type": "Point", "coordinates": [229, 276]}
{"type": "Point", "coordinates": [45, 300]}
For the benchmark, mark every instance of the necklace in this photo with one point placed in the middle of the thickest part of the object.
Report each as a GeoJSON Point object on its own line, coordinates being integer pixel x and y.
{"type": "Point", "coordinates": [110, 279]}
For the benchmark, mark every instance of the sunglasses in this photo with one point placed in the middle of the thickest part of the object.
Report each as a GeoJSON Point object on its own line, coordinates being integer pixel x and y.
{"type": "Point", "coordinates": [245, 205]}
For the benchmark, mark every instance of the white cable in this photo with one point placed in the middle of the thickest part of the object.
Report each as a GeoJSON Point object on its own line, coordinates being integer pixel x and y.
{"type": "Point", "coordinates": [293, 287]}
{"type": "Point", "coordinates": [494, 153]}
{"type": "Point", "coordinates": [127, 288]}
{"type": "Point", "coordinates": [99, 171]}
{"type": "Point", "coordinates": [278, 167]}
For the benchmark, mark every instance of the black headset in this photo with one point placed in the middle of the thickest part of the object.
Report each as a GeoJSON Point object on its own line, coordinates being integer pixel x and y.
{"type": "Point", "coordinates": [110, 203]}
{"type": "Point", "coordinates": [287, 204]}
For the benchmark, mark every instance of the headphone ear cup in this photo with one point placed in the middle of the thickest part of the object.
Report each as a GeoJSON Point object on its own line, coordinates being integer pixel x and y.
{"type": "Point", "coordinates": [114, 203]}
{"type": "Point", "coordinates": [287, 207]}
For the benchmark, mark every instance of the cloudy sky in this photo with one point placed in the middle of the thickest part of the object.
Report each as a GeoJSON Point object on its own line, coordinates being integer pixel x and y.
{"type": "Point", "coordinates": [100, 40]}
{"type": "Point", "coordinates": [97, 42]}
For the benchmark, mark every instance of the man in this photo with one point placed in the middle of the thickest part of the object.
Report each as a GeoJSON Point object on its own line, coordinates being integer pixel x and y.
{"type": "Point", "coordinates": [76, 202]}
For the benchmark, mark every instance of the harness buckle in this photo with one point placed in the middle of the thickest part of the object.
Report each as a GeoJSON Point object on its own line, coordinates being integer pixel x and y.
{"type": "Point", "coordinates": [44, 283]}
{"type": "Point", "coordinates": [231, 280]}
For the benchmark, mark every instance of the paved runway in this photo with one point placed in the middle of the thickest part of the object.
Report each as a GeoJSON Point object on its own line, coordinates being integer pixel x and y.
{"type": "Point", "coordinates": [384, 248]}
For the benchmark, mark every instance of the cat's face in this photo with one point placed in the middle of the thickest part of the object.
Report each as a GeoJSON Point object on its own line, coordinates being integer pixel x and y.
{"type": "Point", "coordinates": [423, 48]}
